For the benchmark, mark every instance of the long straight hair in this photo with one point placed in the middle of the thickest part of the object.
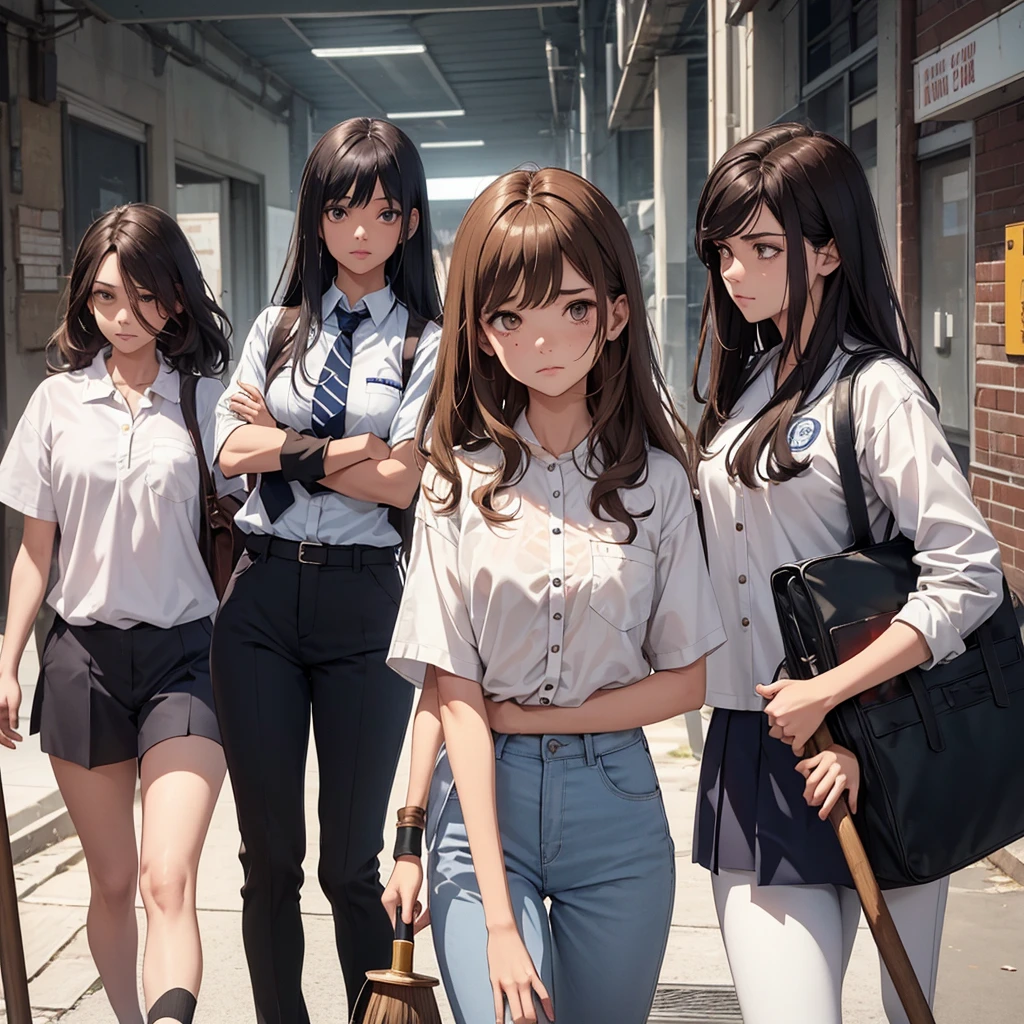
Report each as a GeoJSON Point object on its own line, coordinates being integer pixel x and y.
{"type": "Point", "coordinates": [154, 256]}
{"type": "Point", "coordinates": [817, 190]}
{"type": "Point", "coordinates": [347, 162]}
{"type": "Point", "coordinates": [510, 246]}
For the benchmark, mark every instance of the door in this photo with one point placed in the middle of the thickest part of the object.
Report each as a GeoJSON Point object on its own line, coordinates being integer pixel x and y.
{"type": "Point", "coordinates": [945, 292]}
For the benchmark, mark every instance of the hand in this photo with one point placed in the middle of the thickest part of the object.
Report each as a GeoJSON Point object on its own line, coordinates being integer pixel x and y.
{"type": "Point", "coordinates": [796, 707]}
{"type": "Point", "coordinates": [249, 404]}
{"type": "Point", "coordinates": [513, 977]}
{"type": "Point", "coordinates": [402, 890]}
{"type": "Point", "coordinates": [829, 773]}
{"type": "Point", "coordinates": [10, 704]}
{"type": "Point", "coordinates": [503, 715]}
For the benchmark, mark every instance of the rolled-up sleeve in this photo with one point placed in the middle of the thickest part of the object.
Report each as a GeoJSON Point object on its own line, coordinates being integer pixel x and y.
{"type": "Point", "coordinates": [251, 369]}
{"type": "Point", "coordinates": [914, 472]}
{"type": "Point", "coordinates": [685, 623]}
{"type": "Point", "coordinates": [403, 426]}
{"type": "Point", "coordinates": [434, 626]}
{"type": "Point", "coordinates": [25, 473]}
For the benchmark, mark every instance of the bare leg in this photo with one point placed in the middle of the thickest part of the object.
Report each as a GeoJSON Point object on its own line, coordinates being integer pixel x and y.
{"type": "Point", "coordinates": [181, 779]}
{"type": "Point", "coordinates": [100, 802]}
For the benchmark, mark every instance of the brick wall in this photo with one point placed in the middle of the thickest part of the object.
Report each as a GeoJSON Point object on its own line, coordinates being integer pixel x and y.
{"type": "Point", "coordinates": [997, 472]}
{"type": "Point", "coordinates": [997, 476]}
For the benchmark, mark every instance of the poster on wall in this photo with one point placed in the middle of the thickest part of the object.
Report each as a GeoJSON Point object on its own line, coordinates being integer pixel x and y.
{"type": "Point", "coordinates": [203, 232]}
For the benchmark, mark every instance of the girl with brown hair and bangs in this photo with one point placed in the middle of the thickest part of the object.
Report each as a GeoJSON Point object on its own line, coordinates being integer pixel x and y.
{"type": "Point", "coordinates": [102, 461]}
{"type": "Point", "coordinates": [557, 601]}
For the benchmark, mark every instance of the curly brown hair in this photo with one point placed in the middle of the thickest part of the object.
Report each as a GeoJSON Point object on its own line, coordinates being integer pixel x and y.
{"type": "Point", "coordinates": [511, 245]}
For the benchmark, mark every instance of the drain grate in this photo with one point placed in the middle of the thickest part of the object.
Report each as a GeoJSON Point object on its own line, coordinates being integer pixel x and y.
{"type": "Point", "coordinates": [695, 1004]}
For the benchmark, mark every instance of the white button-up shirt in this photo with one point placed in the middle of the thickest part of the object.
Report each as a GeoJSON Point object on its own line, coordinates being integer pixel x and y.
{"type": "Point", "coordinates": [550, 608]}
{"type": "Point", "coordinates": [376, 404]}
{"type": "Point", "coordinates": [124, 492]}
{"type": "Point", "coordinates": [906, 466]}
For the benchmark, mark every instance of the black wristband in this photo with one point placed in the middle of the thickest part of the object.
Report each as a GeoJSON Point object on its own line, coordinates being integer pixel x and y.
{"type": "Point", "coordinates": [409, 842]}
{"type": "Point", "coordinates": [302, 457]}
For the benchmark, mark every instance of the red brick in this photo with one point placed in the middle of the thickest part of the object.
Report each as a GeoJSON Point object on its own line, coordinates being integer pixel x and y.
{"type": "Point", "coordinates": [988, 334]}
{"type": "Point", "coordinates": [1006, 401]}
{"type": "Point", "coordinates": [997, 313]}
{"type": "Point", "coordinates": [1011, 114]}
{"type": "Point", "coordinates": [995, 271]}
{"type": "Point", "coordinates": [1007, 494]}
{"type": "Point", "coordinates": [1019, 379]}
{"type": "Point", "coordinates": [981, 486]}
{"type": "Point", "coordinates": [991, 352]}
{"type": "Point", "coordinates": [1005, 423]}
{"type": "Point", "coordinates": [1018, 518]}
{"type": "Point", "coordinates": [1008, 535]}
{"type": "Point", "coordinates": [1009, 198]}
{"type": "Point", "coordinates": [994, 180]}
{"type": "Point", "coordinates": [981, 419]}
{"type": "Point", "coordinates": [998, 374]}
{"type": "Point", "coordinates": [986, 398]}
{"type": "Point", "coordinates": [986, 123]}
{"type": "Point", "coordinates": [1007, 463]}
{"type": "Point", "coordinates": [1002, 137]}
{"type": "Point", "coordinates": [989, 291]}
{"type": "Point", "coordinates": [984, 203]}
{"type": "Point", "coordinates": [1000, 514]}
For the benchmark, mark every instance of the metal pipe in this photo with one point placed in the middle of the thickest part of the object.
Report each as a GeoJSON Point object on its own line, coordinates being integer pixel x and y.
{"type": "Point", "coordinates": [552, 57]}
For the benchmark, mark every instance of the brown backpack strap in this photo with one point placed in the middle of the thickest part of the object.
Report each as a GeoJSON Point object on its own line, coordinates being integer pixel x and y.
{"type": "Point", "coordinates": [413, 332]}
{"type": "Point", "coordinates": [279, 348]}
{"type": "Point", "coordinates": [207, 488]}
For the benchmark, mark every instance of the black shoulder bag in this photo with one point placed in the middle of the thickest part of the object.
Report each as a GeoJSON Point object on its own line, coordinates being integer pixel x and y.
{"type": "Point", "coordinates": [942, 780]}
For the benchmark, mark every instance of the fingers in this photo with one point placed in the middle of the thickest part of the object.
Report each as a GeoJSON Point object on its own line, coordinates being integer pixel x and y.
{"type": "Point", "coordinates": [251, 391]}
{"type": "Point", "coordinates": [545, 999]}
{"type": "Point", "coordinates": [8, 724]}
{"type": "Point", "coordinates": [499, 1002]}
{"type": "Point", "coordinates": [769, 690]}
{"type": "Point", "coordinates": [851, 795]}
{"type": "Point", "coordinates": [833, 797]}
{"type": "Point", "coordinates": [423, 921]}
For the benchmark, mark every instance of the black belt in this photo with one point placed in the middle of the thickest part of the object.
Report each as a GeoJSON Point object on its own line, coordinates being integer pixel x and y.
{"type": "Point", "coordinates": [311, 553]}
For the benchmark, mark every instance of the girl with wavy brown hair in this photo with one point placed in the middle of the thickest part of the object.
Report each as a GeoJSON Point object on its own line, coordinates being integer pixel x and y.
{"type": "Point", "coordinates": [556, 595]}
{"type": "Point", "coordinates": [103, 455]}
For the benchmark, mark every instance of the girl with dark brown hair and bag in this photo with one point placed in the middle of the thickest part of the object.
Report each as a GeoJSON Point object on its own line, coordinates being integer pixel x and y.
{"type": "Point", "coordinates": [798, 282]}
{"type": "Point", "coordinates": [557, 595]}
{"type": "Point", "coordinates": [102, 454]}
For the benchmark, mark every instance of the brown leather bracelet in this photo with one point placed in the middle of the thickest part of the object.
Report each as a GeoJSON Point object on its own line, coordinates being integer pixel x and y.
{"type": "Point", "coordinates": [412, 815]}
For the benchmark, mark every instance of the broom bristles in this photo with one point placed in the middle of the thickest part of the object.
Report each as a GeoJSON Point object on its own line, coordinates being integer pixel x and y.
{"type": "Point", "coordinates": [401, 1004]}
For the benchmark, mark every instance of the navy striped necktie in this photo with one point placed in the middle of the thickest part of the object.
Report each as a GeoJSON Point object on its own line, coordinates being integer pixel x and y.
{"type": "Point", "coordinates": [331, 394]}
{"type": "Point", "coordinates": [329, 401]}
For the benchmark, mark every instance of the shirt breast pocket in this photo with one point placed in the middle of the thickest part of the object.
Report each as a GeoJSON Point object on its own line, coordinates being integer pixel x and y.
{"type": "Point", "coordinates": [622, 583]}
{"type": "Point", "coordinates": [383, 395]}
{"type": "Point", "coordinates": [173, 470]}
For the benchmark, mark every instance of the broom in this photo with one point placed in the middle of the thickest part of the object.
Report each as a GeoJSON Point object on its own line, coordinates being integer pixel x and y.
{"type": "Point", "coordinates": [12, 952]}
{"type": "Point", "coordinates": [398, 996]}
{"type": "Point", "coordinates": [883, 928]}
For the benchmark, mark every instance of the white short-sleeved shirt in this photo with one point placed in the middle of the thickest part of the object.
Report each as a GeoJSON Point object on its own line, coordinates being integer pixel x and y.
{"type": "Point", "coordinates": [551, 607]}
{"type": "Point", "coordinates": [906, 466]}
{"type": "Point", "coordinates": [124, 493]}
{"type": "Point", "coordinates": [376, 405]}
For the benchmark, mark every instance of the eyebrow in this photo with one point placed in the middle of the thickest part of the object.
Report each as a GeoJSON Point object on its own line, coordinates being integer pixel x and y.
{"type": "Point", "coordinates": [574, 291]}
{"type": "Point", "coordinates": [105, 284]}
{"type": "Point", "coordinates": [761, 234]}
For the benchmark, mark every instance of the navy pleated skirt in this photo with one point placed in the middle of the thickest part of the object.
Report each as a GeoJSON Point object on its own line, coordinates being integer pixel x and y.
{"type": "Point", "coordinates": [751, 813]}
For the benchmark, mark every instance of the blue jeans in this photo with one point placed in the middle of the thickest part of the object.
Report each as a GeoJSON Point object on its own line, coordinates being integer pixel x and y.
{"type": "Point", "coordinates": [582, 825]}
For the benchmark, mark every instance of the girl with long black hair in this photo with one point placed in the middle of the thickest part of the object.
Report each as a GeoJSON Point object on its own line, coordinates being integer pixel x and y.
{"type": "Point", "coordinates": [102, 454]}
{"type": "Point", "coordinates": [305, 624]}
{"type": "Point", "coordinates": [798, 281]}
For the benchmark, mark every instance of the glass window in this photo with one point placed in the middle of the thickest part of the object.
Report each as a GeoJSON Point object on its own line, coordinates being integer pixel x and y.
{"type": "Point", "coordinates": [834, 29]}
{"type": "Point", "coordinates": [826, 110]}
{"type": "Point", "coordinates": [105, 170]}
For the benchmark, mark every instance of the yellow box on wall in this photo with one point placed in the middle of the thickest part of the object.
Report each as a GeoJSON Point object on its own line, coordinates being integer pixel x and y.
{"type": "Point", "coordinates": [1015, 289]}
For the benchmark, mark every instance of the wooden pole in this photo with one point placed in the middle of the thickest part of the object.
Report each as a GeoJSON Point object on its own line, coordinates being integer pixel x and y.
{"type": "Point", "coordinates": [12, 952]}
{"type": "Point", "coordinates": [887, 938]}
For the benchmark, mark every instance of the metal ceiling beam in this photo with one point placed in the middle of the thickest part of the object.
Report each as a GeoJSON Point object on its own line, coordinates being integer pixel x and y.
{"type": "Point", "coordinates": [659, 30]}
{"type": "Point", "coordinates": [140, 11]}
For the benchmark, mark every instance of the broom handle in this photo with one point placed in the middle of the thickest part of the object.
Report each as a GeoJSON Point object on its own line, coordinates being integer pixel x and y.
{"type": "Point", "coordinates": [12, 952]}
{"type": "Point", "coordinates": [887, 938]}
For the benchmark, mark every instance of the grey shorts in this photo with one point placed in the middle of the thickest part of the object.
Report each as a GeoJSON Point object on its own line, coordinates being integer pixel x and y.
{"type": "Point", "coordinates": [107, 695]}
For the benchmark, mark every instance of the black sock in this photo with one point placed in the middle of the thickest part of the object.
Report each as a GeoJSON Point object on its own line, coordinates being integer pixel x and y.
{"type": "Point", "coordinates": [177, 1003]}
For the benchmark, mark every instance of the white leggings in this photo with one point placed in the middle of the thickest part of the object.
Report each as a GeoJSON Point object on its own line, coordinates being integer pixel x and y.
{"type": "Point", "coordinates": [789, 945]}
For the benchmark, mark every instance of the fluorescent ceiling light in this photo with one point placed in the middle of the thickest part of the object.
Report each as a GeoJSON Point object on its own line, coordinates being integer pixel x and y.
{"type": "Point", "coordinates": [452, 145]}
{"type": "Point", "coordinates": [368, 51]}
{"type": "Point", "coordinates": [440, 189]}
{"type": "Point", "coordinates": [408, 115]}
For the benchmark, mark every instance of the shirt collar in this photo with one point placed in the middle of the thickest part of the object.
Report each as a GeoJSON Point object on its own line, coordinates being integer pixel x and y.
{"type": "Point", "coordinates": [522, 428]}
{"type": "Point", "coordinates": [99, 385]}
{"type": "Point", "coordinates": [378, 304]}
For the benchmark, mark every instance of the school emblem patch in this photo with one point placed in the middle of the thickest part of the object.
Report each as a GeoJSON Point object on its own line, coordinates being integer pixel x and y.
{"type": "Point", "coordinates": [802, 433]}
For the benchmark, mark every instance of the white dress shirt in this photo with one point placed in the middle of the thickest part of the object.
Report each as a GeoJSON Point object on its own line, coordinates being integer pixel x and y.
{"type": "Point", "coordinates": [906, 466]}
{"type": "Point", "coordinates": [124, 493]}
{"type": "Point", "coordinates": [551, 608]}
{"type": "Point", "coordinates": [376, 404]}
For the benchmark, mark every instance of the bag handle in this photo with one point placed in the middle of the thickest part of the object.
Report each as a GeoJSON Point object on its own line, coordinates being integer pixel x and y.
{"type": "Point", "coordinates": [844, 429]}
{"type": "Point", "coordinates": [208, 493]}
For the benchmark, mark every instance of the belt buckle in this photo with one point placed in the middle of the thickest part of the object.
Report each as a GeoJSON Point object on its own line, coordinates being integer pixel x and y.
{"type": "Point", "coordinates": [311, 545]}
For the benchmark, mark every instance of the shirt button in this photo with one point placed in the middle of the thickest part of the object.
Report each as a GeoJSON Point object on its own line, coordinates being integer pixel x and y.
{"type": "Point", "coordinates": [544, 700]}
{"type": "Point", "coordinates": [556, 582]}
{"type": "Point", "coordinates": [551, 467]}
{"type": "Point", "coordinates": [739, 527]}
{"type": "Point", "coordinates": [556, 531]}
{"type": "Point", "coordinates": [557, 616]}
{"type": "Point", "coordinates": [553, 745]}
{"type": "Point", "coordinates": [557, 494]}
{"type": "Point", "coordinates": [125, 428]}
{"type": "Point", "coordinates": [743, 579]}
{"type": "Point", "coordinates": [745, 622]}
{"type": "Point", "coordinates": [550, 686]}
{"type": "Point", "coordinates": [555, 648]}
